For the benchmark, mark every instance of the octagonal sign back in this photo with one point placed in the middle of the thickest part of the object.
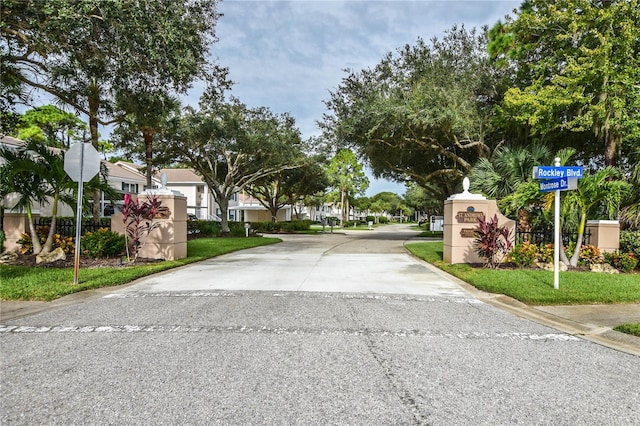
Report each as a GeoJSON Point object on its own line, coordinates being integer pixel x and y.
{"type": "Point", "coordinates": [77, 162]}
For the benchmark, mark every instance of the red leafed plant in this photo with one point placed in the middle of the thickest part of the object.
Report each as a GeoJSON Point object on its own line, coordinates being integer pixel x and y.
{"type": "Point", "coordinates": [139, 221]}
{"type": "Point", "coordinates": [492, 242]}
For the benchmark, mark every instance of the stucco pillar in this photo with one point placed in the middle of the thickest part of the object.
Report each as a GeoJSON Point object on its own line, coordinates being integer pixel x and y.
{"type": "Point", "coordinates": [461, 214]}
{"type": "Point", "coordinates": [169, 240]}
{"type": "Point", "coordinates": [605, 234]}
{"type": "Point", "coordinates": [14, 225]}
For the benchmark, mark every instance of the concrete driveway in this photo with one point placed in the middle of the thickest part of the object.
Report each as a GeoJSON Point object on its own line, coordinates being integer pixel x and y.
{"type": "Point", "coordinates": [349, 262]}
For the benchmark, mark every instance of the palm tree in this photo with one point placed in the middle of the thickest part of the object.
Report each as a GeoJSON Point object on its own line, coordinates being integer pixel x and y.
{"type": "Point", "coordinates": [36, 171]}
{"type": "Point", "coordinates": [507, 169]}
{"type": "Point", "coordinates": [48, 164]}
{"type": "Point", "coordinates": [16, 177]}
{"type": "Point", "coordinates": [630, 214]}
{"type": "Point", "coordinates": [596, 193]}
{"type": "Point", "coordinates": [148, 113]}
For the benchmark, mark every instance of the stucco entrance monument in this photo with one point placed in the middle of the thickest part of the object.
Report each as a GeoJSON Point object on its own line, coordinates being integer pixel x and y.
{"type": "Point", "coordinates": [461, 214]}
{"type": "Point", "coordinates": [169, 241]}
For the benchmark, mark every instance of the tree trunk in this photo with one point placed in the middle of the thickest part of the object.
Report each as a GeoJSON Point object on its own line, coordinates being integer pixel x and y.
{"type": "Point", "coordinates": [223, 203]}
{"type": "Point", "coordinates": [147, 135]}
{"type": "Point", "coordinates": [48, 244]}
{"type": "Point", "coordinates": [341, 206]}
{"type": "Point", "coordinates": [35, 241]}
{"type": "Point", "coordinates": [612, 142]}
{"type": "Point", "coordinates": [576, 253]}
{"type": "Point", "coordinates": [94, 107]}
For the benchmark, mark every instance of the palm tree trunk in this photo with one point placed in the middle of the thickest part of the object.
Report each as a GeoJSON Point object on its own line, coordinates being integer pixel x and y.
{"type": "Point", "coordinates": [576, 253]}
{"type": "Point", "coordinates": [147, 134]}
{"type": "Point", "coordinates": [35, 241]}
{"type": "Point", "coordinates": [94, 106]}
{"type": "Point", "coordinates": [48, 244]}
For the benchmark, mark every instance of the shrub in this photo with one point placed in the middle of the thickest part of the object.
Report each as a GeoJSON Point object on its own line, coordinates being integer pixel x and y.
{"type": "Point", "coordinates": [371, 219]}
{"type": "Point", "coordinates": [524, 254]}
{"type": "Point", "coordinates": [383, 219]}
{"type": "Point", "coordinates": [545, 253]}
{"type": "Point", "coordinates": [2, 240]}
{"type": "Point", "coordinates": [630, 242]}
{"type": "Point", "coordinates": [205, 228]}
{"type": "Point", "coordinates": [625, 262]}
{"type": "Point", "coordinates": [102, 243]}
{"type": "Point", "coordinates": [492, 241]}
{"type": "Point", "coordinates": [589, 255]}
{"type": "Point", "coordinates": [59, 241]}
{"type": "Point", "coordinates": [295, 225]}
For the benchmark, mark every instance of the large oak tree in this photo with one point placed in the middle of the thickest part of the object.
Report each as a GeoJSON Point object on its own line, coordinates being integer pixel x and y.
{"type": "Point", "coordinates": [232, 147]}
{"type": "Point", "coordinates": [85, 52]}
{"type": "Point", "coordinates": [423, 114]}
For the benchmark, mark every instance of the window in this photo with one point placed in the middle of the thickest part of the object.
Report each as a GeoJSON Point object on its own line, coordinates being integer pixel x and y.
{"type": "Point", "coordinates": [130, 187]}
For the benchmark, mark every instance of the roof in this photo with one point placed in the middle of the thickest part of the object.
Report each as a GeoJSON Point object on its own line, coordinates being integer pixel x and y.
{"type": "Point", "coordinates": [8, 140]}
{"type": "Point", "coordinates": [177, 176]}
{"type": "Point", "coordinates": [118, 171]}
{"type": "Point", "coordinates": [139, 167]}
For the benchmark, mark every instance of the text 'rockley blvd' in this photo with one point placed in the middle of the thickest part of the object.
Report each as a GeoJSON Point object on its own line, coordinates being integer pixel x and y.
{"type": "Point", "coordinates": [551, 172]}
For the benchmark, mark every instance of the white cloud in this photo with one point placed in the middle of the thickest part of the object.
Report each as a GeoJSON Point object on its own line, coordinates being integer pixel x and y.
{"type": "Point", "coordinates": [288, 55]}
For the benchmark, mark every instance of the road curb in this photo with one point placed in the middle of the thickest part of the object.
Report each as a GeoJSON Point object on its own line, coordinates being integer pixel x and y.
{"type": "Point", "coordinates": [604, 336]}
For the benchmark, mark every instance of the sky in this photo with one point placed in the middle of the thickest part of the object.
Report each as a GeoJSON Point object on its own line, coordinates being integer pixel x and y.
{"type": "Point", "coordinates": [289, 55]}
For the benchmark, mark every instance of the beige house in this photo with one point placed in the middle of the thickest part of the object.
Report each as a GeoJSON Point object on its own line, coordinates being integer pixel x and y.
{"type": "Point", "coordinates": [201, 202]}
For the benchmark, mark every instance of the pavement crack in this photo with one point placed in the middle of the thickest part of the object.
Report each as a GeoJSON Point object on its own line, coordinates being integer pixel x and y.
{"type": "Point", "coordinates": [395, 384]}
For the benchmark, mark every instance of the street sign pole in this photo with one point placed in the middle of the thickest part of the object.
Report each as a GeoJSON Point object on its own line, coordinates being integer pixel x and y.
{"type": "Point", "coordinates": [556, 179]}
{"type": "Point", "coordinates": [76, 259]}
{"type": "Point", "coordinates": [557, 231]}
{"type": "Point", "coordinates": [82, 163]}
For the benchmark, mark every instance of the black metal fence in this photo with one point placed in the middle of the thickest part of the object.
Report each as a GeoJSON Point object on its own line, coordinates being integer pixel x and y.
{"type": "Point", "coordinates": [67, 226]}
{"type": "Point", "coordinates": [546, 237]}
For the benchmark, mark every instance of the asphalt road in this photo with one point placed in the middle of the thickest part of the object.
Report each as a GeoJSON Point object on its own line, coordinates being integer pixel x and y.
{"type": "Point", "coordinates": [332, 329]}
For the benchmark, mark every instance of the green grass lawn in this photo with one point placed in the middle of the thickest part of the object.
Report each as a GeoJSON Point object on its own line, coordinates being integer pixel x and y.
{"type": "Point", "coordinates": [38, 283]}
{"type": "Point", "coordinates": [535, 287]}
{"type": "Point", "coordinates": [629, 329]}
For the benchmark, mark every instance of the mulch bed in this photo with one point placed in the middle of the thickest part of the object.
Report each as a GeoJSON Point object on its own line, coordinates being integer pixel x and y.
{"type": "Point", "coordinates": [85, 262]}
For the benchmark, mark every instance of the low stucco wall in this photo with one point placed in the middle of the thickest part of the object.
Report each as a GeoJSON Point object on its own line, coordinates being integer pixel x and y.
{"type": "Point", "coordinates": [14, 225]}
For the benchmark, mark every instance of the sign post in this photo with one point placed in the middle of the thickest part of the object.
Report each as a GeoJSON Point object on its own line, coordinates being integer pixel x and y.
{"type": "Point", "coordinates": [82, 163]}
{"type": "Point", "coordinates": [556, 179]}
{"type": "Point", "coordinates": [557, 231]}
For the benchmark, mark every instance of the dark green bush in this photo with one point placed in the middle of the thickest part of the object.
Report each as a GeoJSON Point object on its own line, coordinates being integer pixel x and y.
{"type": "Point", "coordinates": [371, 218]}
{"type": "Point", "coordinates": [237, 229]}
{"type": "Point", "coordinates": [102, 243]}
{"type": "Point", "coordinates": [630, 242]}
{"type": "Point", "coordinates": [204, 228]}
{"type": "Point", "coordinates": [383, 219]}
{"type": "Point", "coordinates": [272, 227]}
{"type": "Point", "coordinates": [2, 240]}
